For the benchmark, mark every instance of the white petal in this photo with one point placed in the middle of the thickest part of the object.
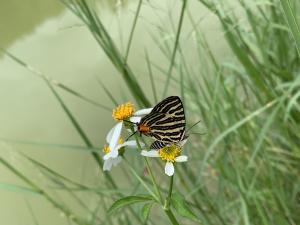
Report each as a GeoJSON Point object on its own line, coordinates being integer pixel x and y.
{"type": "Point", "coordinates": [107, 156]}
{"type": "Point", "coordinates": [169, 169]}
{"type": "Point", "coordinates": [116, 161]}
{"type": "Point", "coordinates": [115, 136]}
{"type": "Point", "coordinates": [130, 143]}
{"type": "Point", "coordinates": [143, 112]}
{"type": "Point", "coordinates": [109, 135]}
{"type": "Point", "coordinates": [133, 144]}
{"type": "Point", "coordinates": [182, 158]}
{"type": "Point", "coordinates": [111, 154]}
{"type": "Point", "coordinates": [152, 153]}
{"type": "Point", "coordinates": [114, 154]}
{"type": "Point", "coordinates": [135, 119]}
{"type": "Point", "coordinates": [107, 164]}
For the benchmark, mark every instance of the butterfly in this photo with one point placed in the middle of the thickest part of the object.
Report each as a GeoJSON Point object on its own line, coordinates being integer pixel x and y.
{"type": "Point", "coordinates": [165, 123]}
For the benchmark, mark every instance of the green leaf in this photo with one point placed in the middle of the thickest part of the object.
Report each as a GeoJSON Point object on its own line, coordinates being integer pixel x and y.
{"type": "Point", "coordinates": [146, 210]}
{"type": "Point", "coordinates": [128, 201]}
{"type": "Point", "coordinates": [179, 204]}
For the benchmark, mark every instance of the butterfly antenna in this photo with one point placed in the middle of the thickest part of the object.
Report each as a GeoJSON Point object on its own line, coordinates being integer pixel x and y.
{"type": "Point", "coordinates": [131, 135]}
{"type": "Point", "coordinates": [193, 125]}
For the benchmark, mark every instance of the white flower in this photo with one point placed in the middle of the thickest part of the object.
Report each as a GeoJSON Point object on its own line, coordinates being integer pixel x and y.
{"type": "Point", "coordinates": [137, 116]}
{"type": "Point", "coordinates": [115, 143]}
{"type": "Point", "coordinates": [170, 154]}
{"type": "Point", "coordinates": [126, 112]}
{"type": "Point", "coordinates": [123, 112]}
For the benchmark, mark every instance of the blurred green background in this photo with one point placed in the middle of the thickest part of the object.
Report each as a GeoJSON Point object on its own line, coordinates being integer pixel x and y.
{"type": "Point", "coordinates": [51, 39]}
{"type": "Point", "coordinates": [237, 68]}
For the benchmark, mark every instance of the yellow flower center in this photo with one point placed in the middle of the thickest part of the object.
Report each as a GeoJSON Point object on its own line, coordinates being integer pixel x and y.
{"type": "Point", "coordinates": [169, 153]}
{"type": "Point", "coordinates": [123, 111]}
{"type": "Point", "coordinates": [106, 148]}
{"type": "Point", "coordinates": [120, 141]}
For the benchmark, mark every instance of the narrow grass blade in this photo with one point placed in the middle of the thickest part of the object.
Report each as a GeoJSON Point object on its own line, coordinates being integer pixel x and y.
{"type": "Point", "coordinates": [56, 204]}
{"type": "Point", "coordinates": [137, 13]}
{"type": "Point", "coordinates": [54, 82]}
{"type": "Point", "coordinates": [292, 21]}
{"type": "Point", "coordinates": [175, 48]}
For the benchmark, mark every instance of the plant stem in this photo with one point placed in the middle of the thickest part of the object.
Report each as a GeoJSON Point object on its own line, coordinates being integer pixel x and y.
{"type": "Point", "coordinates": [171, 217]}
{"type": "Point", "coordinates": [168, 199]}
{"type": "Point", "coordinates": [166, 206]}
{"type": "Point", "coordinates": [150, 172]}
{"type": "Point", "coordinates": [154, 181]}
{"type": "Point", "coordinates": [168, 202]}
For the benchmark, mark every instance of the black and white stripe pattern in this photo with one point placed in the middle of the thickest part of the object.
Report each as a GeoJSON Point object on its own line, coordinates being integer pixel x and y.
{"type": "Point", "coordinates": [166, 121]}
{"type": "Point", "coordinates": [157, 145]}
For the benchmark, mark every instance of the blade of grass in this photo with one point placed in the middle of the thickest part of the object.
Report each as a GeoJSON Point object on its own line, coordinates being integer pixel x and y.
{"type": "Point", "coordinates": [233, 128]}
{"type": "Point", "coordinates": [151, 77]}
{"type": "Point", "coordinates": [35, 221]}
{"type": "Point", "coordinates": [292, 21]}
{"type": "Point", "coordinates": [89, 16]}
{"type": "Point", "coordinates": [107, 92]}
{"type": "Point", "coordinates": [34, 186]}
{"type": "Point", "coordinates": [137, 13]}
{"type": "Point", "coordinates": [54, 82]}
{"type": "Point", "coordinates": [175, 47]}
{"type": "Point", "coordinates": [18, 189]}
{"type": "Point", "coordinates": [52, 145]}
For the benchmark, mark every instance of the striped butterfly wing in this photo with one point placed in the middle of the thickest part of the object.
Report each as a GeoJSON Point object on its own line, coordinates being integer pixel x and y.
{"type": "Point", "coordinates": [159, 145]}
{"type": "Point", "coordinates": [166, 121]}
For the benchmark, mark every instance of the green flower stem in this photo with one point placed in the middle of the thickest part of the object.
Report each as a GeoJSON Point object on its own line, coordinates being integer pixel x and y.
{"type": "Point", "coordinates": [171, 217]}
{"type": "Point", "coordinates": [168, 199]}
{"type": "Point", "coordinates": [166, 206]}
{"type": "Point", "coordinates": [150, 172]}
{"type": "Point", "coordinates": [168, 203]}
{"type": "Point", "coordinates": [153, 181]}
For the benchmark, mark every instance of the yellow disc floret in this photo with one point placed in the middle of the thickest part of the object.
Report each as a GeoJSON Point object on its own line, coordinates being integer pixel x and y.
{"type": "Point", "coordinates": [120, 141]}
{"type": "Point", "coordinates": [123, 111]}
{"type": "Point", "coordinates": [169, 153]}
{"type": "Point", "coordinates": [106, 149]}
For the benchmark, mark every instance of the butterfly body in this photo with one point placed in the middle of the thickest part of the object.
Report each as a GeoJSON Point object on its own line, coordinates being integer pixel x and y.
{"type": "Point", "coordinates": [165, 123]}
{"type": "Point", "coordinates": [143, 129]}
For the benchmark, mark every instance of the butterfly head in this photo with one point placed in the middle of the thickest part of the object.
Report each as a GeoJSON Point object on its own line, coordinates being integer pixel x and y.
{"type": "Point", "coordinates": [143, 129]}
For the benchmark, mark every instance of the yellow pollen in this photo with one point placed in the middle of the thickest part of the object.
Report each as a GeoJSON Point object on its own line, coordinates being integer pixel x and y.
{"type": "Point", "coordinates": [106, 149]}
{"type": "Point", "coordinates": [120, 141]}
{"type": "Point", "coordinates": [123, 111]}
{"type": "Point", "coordinates": [169, 153]}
